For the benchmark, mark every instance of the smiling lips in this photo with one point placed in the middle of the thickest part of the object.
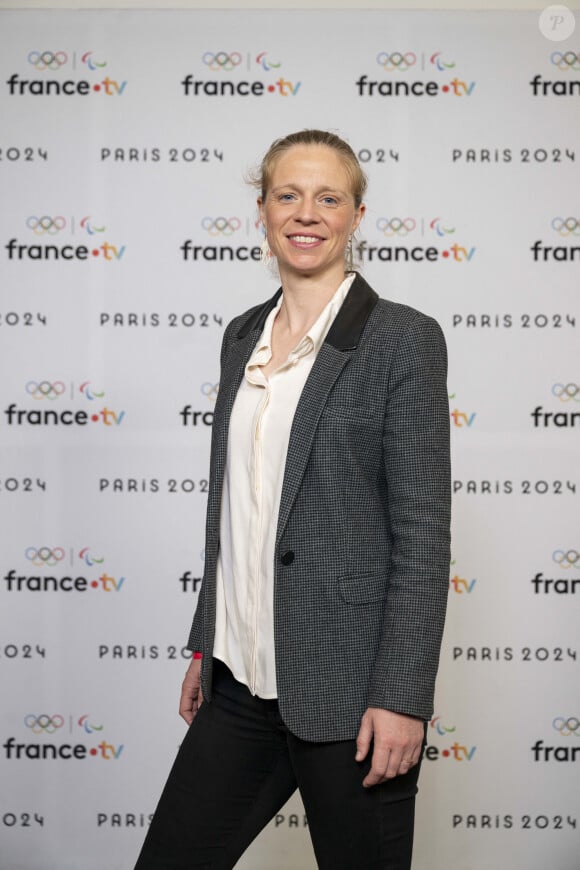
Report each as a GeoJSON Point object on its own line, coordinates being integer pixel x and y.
{"type": "Point", "coordinates": [304, 240]}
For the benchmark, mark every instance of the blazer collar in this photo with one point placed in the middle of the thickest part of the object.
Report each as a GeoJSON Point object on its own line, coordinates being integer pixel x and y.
{"type": "Point", "coordinates": [346, 330]}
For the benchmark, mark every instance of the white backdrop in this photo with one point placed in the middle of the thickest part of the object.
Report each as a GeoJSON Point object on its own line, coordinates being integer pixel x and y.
{"type": "Point", "coordinates": [127, 242]}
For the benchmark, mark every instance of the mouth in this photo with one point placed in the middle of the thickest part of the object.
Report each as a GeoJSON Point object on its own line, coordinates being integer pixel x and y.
{"type": "Point", "coordinates": [303, 239]}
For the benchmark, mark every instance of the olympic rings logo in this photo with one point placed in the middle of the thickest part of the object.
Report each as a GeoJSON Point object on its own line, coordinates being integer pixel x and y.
{"type": "Point", "coordinates": [568, 726]}
{"type": "Point", "coordinates": [567, 60]}
{"type": "Point", "coordinates": [396, 60]}
{"type": "Point", "coordinates": [396, 226]}
{"type": "Point", "coordinates": [566, 559]}
{"type": "Point", "coordinates": [43, 723]}
{"type": "Point", "coordinates": [221, 60]}
{"type": "Point", "coordinates": [44, 389]}
{"type": "Point", "coordinates": [566, 392]}
{"type": "Point", "coordinates": [210, 390]}
{"type": "Point", "coordinates": [221, 225]}
{"type": "Point", "coordinates": [42, 60]}
{"type": "Point", "coordinates": [44, 555]}
{"type": "Point", "coordinates": [46, 224]}
{"type": "Point", "coordinates": [566, 226]}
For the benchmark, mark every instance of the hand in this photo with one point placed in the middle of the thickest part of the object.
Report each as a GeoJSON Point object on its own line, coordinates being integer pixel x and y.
{"type": "Point", "coordinates": [397, 741]}
{"type": "Point", "coordinates": [191, 694]}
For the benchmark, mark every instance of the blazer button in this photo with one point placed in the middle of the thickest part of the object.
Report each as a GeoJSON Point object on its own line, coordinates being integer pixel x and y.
{"type": "Point", "coordinates": [287, 558]}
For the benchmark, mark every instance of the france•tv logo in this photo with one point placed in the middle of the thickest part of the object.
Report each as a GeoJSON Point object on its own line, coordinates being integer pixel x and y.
{"type": "Point", "coordinates": [47, 62]}
{"type": "Point", "coordinates": [568, 727]}
{"type": "Point", "coordinates": [43, 725]}
{"type": "Point", "coordinates": [228, 62]}
{"type": "Point", "coordinates": [66, 560]}
{"type": "Point", "coordinates": [219, 227]}
{"type": "Point", "coordinates": [409, 233]}
{"type": "Point", "coordinates": [46, 228]}
{"type": "Point", "coordinates": [566, 585]}
{"type": "Point", "coordinates": [192, 417]}
{"type": "Point", "coordinates": [568, 229]}
{"type": "Point", "coordinates": [461, 419]}
{"type": "Point", "coordinates": [408, 63]}
{"type": "Point", "coordinates": [455, 751]}
{"type": "Point", "coordinates": [567, 393]}
{"type": "Point", "coordinates": [566, 62]}
{"type": "Point", "coordinates": [460, 585]}
{"type": "Point", "coordinates": [47, 392]}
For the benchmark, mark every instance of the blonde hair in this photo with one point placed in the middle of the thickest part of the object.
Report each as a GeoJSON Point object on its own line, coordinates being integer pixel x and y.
{"type": "Point", "coordinates": [261, 178]}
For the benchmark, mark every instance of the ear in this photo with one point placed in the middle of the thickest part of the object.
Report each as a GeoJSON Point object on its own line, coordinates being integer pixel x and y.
{"type": "Point", "coordinates": [261, 210]}
{"type": "Point", "coordinates": [358, 216]}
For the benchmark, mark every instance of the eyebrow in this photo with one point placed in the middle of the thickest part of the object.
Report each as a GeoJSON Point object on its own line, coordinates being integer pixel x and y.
{"type": "Point", "coordinates": [321, 189]}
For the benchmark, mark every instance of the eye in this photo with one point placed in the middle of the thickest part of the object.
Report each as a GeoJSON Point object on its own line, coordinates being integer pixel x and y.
{"type": "Point", "coordinates": [286, 197]}
{"type": "Point", "coordinates": [329, 200]}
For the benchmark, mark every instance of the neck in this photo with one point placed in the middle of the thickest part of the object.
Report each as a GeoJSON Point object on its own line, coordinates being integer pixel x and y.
{"type": "Point", "coordinates": [304, 298]}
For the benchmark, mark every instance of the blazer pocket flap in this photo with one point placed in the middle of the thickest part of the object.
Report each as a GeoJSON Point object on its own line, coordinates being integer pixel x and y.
{"type": "Point", "coordinates": [364, 588]}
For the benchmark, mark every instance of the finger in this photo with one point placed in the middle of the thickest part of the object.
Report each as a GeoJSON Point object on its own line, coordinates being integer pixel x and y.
{"type": "Point", "coordinates": [410, 757]}
{"type": "Point", "coordinates": [363, 739]}
{"type": "Point", "coordinates": [395, 759]}
{"type": "Point", "coordinates": [186, 709]}
{"type": "Point", "coordinates": [379, 765]}
{"type": "Point", "coordinates": [405, 766]}
{"type": "Point", "coordinates": [188, 702]}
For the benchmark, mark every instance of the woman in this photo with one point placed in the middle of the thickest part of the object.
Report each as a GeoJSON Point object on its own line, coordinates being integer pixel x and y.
{"type": "Point", "coordinates": [316, 637]}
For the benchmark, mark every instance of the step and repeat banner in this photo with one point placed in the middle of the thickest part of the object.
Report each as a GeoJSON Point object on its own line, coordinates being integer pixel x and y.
{"type": "Point", "coordinates": [128, 240]}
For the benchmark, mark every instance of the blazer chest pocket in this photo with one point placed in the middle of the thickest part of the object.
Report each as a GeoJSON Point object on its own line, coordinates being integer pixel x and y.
{"type": "Point", "coordinates": [349, 414]}
{"type": "Point", "coordinates": [363, 588]}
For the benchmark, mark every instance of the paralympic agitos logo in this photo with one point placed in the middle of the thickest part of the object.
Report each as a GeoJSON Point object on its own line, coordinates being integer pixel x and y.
{"type": "Point", "coordinates": [408, 234]}
{"type": "Point", "coordinates": [54, 72]}
{"type": "Point", "coordinates": [46, 392]}
{"type": "Point", "coordinates": [46, 234]}
{"type": "Point", "coordinates": [78, 570]}
{"type": "Point", "coordinates": [50, 725]}
{"type": "Point", "coordinates": [408, 74]}
{"type": "Point", "coordinates": [225, 64]}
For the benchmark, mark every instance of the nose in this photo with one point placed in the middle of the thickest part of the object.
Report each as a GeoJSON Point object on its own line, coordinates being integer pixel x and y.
{"type": "Point", "coordinates": [306, 212]}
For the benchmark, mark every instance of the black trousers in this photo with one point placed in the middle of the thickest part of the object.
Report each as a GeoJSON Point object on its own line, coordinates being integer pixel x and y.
{"type": "Point", "coordinates": [239, 764]}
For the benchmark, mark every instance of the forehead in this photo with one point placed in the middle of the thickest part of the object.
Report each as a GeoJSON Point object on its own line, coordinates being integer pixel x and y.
{"type": "Point", "coordinates": [307, 163]}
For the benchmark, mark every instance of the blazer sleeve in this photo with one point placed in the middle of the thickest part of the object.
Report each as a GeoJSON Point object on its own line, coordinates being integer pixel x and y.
{"type": "Point", "coordinates": [195, 642]}
{"type": "Point", "coordinates": [417, 467]}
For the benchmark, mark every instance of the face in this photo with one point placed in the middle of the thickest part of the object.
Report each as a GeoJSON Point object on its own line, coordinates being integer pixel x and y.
{"type": "Point", "coordinates": [309, 213]}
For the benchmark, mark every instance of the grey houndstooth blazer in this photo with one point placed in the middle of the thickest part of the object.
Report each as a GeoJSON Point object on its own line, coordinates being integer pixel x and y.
{"type": "Point", "coordinates": [362, 547]}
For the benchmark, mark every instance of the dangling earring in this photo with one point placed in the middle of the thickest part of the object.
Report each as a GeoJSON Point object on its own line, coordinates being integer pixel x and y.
{"type": "Point", "coordinates": [265, 252]}
{"type": "Point", "coordinates": [348, 256]}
